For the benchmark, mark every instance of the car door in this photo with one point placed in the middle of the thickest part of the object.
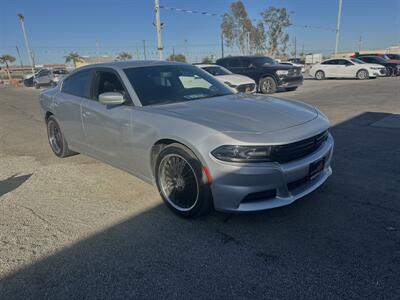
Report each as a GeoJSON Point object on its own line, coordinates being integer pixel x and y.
{"type": "Point", "coordinates": [346, 69]}
{"type": "Point", "coordinates": [67, 107]}
{"type": "Point", "coordinates": [329, 68]}
{"type": "Point", "coordinates": [107, 128]}
{"type": "Point", "coordinates": [43, 77]}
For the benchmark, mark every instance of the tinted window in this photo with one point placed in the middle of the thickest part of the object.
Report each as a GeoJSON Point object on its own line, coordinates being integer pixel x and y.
{"type": "Point", "coordinates": [329, 62]}
{"type": "Point", "coordinates": [343, 62]}
{"type": "Point", "coordinates": [108, 82]}
{"type": "Point", "coordinates": [173, 83]}
{"type": "Point", "coordinates": [234, 63]}
{"type": "Point", "coordinates": [260, 61]}
{"type": "Point", "coordinates": [78, 84]}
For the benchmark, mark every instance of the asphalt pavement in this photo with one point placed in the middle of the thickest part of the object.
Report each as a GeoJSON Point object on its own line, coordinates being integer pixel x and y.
{"type": "Point", "coordinates": [77, 228]}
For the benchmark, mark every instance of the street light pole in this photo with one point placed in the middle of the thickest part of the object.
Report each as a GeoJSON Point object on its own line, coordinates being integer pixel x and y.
{"type": "Point", "coordinates": [158, 28]}
{"type": "Point", "coordinates": [28, 49]}
{"type": "Point", "coordinates": [144, 50]}
{"type": "Point", "coordinates": [338, 26]}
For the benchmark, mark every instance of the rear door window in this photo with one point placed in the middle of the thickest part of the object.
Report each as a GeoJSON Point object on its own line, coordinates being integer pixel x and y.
{"type": "Point", "coordinates": [78, 84]}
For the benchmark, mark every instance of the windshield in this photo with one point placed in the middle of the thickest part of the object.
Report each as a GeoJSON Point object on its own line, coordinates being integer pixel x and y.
{"type": "Point", "coordinates": [378, 59]}
{"type": "Point", "coordinates": [173, 83]}
{"type": "Point", "coordinates": [259, 61]}
{"type": "Point", "coordinates": [217, 71]}
{"type": "Point", "coordinates": [357, 61]}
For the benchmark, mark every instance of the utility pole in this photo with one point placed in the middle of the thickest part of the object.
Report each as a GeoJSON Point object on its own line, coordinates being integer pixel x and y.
{"type": "Point", "coordinates": [338, 26]}
{"type": "Point", "coordinates": [28, 49]}
{"type": "Point", "coordinates": [222, 43]}
{"type": "Point", "coordinates": [359, 44]}
{"type": "Point", "coordinates": [158, 28]}
{"type": "Point", "coordinates": [98, 50]}
{"type": "Point", "coordinates": [186, 50]}
{"type": "Point", "coordinates": [295, 47]}
{"type": "Point", "coordinates": [144, 50]}
{"type": "Point", "coordinates": [248, 43]}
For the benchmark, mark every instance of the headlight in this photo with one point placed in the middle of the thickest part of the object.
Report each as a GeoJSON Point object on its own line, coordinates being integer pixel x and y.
{"type": "Point", "coordinates": [234, 153]}
{"type": "Point", "coordinates": [282, 72]}
{"type": "Point", "coordinates": [230, 84]}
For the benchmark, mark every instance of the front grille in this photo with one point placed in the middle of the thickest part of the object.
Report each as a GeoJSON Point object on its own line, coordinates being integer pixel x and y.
{"type": "Point", "coordinates": [297, 183]}
{"type": "Point", "coordinates": [297, 150]}
{"type": "Point", "coordinates": [294, 72]}
{"type": "Point", "coordinates": [259, 196]}
{"type": "Point", "coordinates": [246, 88]}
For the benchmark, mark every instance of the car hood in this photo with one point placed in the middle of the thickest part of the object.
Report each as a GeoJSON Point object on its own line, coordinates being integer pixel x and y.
{"type": "Point", "coordinates": [243, 113]}
{"type": "Point", "coordinates": [235, 79]}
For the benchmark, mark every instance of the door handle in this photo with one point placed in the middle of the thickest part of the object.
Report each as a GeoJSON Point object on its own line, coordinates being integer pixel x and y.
{"type": "Point", "coordinates": [86, 113]}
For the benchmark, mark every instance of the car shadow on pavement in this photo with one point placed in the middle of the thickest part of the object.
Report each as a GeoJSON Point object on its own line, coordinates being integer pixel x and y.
{"type": "Point", "coordinates": [338, 242]}
{"type": "Point", "coordinates": [12, 183]}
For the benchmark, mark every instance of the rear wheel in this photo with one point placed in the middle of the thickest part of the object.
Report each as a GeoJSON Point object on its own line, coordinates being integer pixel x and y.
{"type": "Point", "coordinates": [320, 75]}
{"type": "Point", "coordinates": [57, 140]}
{"type": "Point", "coordinates": [36, 85]}
{"type": "Point", "coordinates": [181, 183]}
{"type": "Point", "coordinates": [362, 74]}
{"type": "Point", "coordinates": [268, 85]}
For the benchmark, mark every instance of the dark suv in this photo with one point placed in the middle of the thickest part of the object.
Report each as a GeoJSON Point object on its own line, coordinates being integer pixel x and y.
{"type": "Point", "coordinates": [267, 73]}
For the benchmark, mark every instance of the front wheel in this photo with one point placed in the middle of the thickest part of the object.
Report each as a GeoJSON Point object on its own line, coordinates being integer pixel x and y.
{"type": "Point", "coordinates": [268, 85]}
{"type": "Point", "coordinates": [362, 74]}
{"type": "Point", "coordinates": [36, 85]}
{"type": "Point", "coordinates": [181, 182]}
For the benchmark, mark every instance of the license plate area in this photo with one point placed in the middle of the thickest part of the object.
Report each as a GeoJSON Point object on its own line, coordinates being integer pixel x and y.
{"type": "Point", "coordinates": [316, 167]}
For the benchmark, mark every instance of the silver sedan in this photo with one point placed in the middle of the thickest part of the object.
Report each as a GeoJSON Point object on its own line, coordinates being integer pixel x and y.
{"type": "Point", "coordinates": [177, 127]}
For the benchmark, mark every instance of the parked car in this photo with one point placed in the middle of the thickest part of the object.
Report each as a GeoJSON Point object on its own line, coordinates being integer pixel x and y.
{"type": "Point", "coordinates": [294, 64]}
{"type": "Point", "coordinates": [202, 147]}
{"type": "Point", "coordinates": [239, 83]}
{"type": "Point", "coordinates": [346, 68]}
{"type": "Point", "coordinates": [28, 78]}
{"type": "Point", "coordinates": [393, 56]}
{"type": "Point", "coordinates": [383, 56]}
{"type": "Point", "coordinates": [48, 77]}
{"type": "Point", "coordinates": [266, 72]}
{"type": "Point", "coordinates": [392, 69]}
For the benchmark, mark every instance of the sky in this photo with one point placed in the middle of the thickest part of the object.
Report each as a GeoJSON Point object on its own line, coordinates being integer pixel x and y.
{"type": "Point", "coordinates": [57, 27]}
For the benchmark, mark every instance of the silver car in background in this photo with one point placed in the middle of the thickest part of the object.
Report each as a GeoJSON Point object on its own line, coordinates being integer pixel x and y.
{"type": "Point", "coordinates": [176, 126]}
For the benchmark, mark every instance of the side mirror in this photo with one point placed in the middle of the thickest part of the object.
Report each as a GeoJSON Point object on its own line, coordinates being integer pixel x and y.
{"type": "Point", "coordinates": [111, 98]}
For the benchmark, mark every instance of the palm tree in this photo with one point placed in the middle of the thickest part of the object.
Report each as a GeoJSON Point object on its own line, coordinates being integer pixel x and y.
{"type": "Point", "coordinates": [5, 59]}
{"type": "Point", "coordinates": [74, 57]}
{"type": "Point", "coordinates": [124, 56]}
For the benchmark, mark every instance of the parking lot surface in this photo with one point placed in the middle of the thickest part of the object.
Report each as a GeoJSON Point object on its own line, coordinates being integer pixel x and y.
{"type": "Point", "coordinates": [78, 228]}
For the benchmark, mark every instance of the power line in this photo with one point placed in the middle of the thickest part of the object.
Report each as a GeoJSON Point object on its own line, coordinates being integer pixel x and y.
{"type": "Point", "coordinates": [212, 14]}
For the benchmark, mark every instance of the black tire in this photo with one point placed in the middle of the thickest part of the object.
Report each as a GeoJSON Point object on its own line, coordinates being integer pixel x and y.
{"type": "Point", "coordinates": [290, 89]}
{"type": "Point", "coordinates": [189, 194]}
{"type": "Point", "coordinates": [389, 72]}
{"type": "Point", "coordinates": [320, 75]}
{"type": "Point", "coordinates": [36, 85]}
{"type": "Point", "coordinates": [362, 74]}
{"type": "Point", "coordinates": [267, 85]}
{"type": "Point", "coordinates": [53, 84]}
{"type": "Point", "coordinates": [57, 141]}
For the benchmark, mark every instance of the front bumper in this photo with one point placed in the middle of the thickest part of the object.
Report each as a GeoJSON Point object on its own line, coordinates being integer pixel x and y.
{"type": "Point", "coordinates": [234, 183]}
{"type": "Point", "coordinates": [290, 81]}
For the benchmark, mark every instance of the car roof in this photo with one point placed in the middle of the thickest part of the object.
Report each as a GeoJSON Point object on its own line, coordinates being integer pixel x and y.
{"type": "Point", "coordinates": [131, 64]}
{"type": "Point", "coordinates": [245, 56]}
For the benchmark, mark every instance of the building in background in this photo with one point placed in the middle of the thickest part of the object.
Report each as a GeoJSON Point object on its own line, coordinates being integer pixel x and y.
{"type": "Point", "coordinates": [88, 60]}
{"type": "Point", "coordinates": [392, 49]}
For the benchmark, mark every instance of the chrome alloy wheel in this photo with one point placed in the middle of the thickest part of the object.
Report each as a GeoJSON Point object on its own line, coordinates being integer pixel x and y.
{"type": "Point", "coordinates": [178, 182]}
{"type": "Point", "coordinates": [55, 138]}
